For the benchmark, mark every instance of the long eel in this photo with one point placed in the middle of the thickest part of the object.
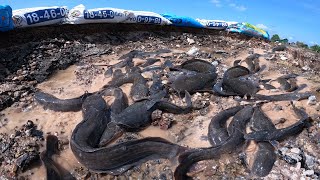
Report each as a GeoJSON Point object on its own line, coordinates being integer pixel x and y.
{"type": "Point", "coordinates": [234, 142]}
{"type": "Point", "coordinates": [114, 159]}
{"type": "Point", "coordinates": [51, 102]}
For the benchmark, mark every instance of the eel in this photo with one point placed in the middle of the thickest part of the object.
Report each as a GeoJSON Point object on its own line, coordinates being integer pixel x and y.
{"type": "Point", "coordinates": [156, 85]}
{"type": "Point", "coordinates": [51, 102]}
{"type": "Point", "coordinates": [198, 65]}
{"type": "Point", "coordinates": [52, 171]}
{"type": "Point", "coordinates": [193, 82]}
{"type": "Point", "coordinates": [281, 97]}
{"type": "Point", "coordinates": [265, 157]}
{"type": "Point", "coordinates": [150, 61]}
{"type": "Point", "coordinates": [279, 48]}
{"type": "Point", "coordinates": [253, 62]}
{"type": "Point", "coordinates": [283, 133]}
{"type": "Point", "coordinates": [235, 141]}
{"type": "Point", "coordinates": [139, 88]}
{"type": "Point", "coordinates": [217, 131]}
{"type": "Point", "coordinates": [138, 115]}
{"type": "Point", "coordinates": [113, 159]}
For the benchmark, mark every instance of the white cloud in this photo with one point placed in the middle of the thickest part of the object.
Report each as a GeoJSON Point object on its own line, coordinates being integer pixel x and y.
{"type": "Point", "coordinates": [217, 3]}
{"type": "Point", "coordinates": [313, 43]}
{"type": "Point", "coordinates": [290, 38]}
{"type": "Point", "coordinates": [238, 7]}
{"type": "Point", "coordinates": [262, 26]}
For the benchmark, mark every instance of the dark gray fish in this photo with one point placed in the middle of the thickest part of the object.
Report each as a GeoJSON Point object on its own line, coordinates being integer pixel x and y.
{"type": "Point", "coordinates": [287, 85]}
{"type": "Point", "coordinates": [265, 156]}
{"type": "Point", "coordinates": [108, 73]}
{"type": "Point", "coordinates": [264, 159]}
{"type": "Point", "coordinates": [52, 171]}
{"type": "Point", "coordinates": [234, 142]}
{"type": "Point", "coordinates": [193, 82]}
{"type": "Point", "coordinates": [138, 115]}
{"type": "Point", "coordinates": [118, 158]}
{"type": "Point", "coordinates": [217, 130]}
{"type": "Point", "coordinates": [150, 61]}
{"type": "Point", "coordinates": [51, 102]}
{"type": "Point", "coordinates": [253, 62]}
{"type": "Point", "coordinates": [198, 65]}
{"type": "Point", "coordinates": [279, 48]}
{"type": "Point", "coordinates": [281, 134]}
{"type": "Point", "coordinates": [281, 97]}
{"type": "Point", "coordinates": [156, 85]}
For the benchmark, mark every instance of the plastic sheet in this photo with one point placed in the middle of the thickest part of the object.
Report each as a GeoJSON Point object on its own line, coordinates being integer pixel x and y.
{"type": "Point", "coordinates": [182, 21]}
{"type": "Point", "coordinates": [248, 29]}
{"type": "Point", "coordinates": [6, 23]}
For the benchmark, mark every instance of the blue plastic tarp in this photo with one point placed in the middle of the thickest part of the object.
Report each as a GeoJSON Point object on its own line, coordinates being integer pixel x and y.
{"type": "Point", "coordinates": [6, 22]}
{"type": "Point", "coordinates": [182, 21]}
{"type": "Point", "coordinates": [249, 30]}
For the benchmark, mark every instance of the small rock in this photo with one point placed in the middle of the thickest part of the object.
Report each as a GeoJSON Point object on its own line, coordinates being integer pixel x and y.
{"type": "Point", "coordinates": [190, 41]}
{"type": "Point", "coordinates": [283, 58]}
{"type": "Point", "coordinates": [312, 100]}
{"type": "Point", "coordinates": [308, 172]}
{"type": "Point", "coordinates": [295, 150]}
{"type": "Point", "coordinates": [306, 68]}
{"type": "Point", "coordinates": [215, 63]}
{"type": "Point", "coordinates": [310, 161]}
{"type": "Point", "coordinates": [193, 51]}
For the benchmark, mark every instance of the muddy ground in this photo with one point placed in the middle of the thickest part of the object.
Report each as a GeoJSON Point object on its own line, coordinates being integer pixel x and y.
{"type": "Point", "coordinates": [66, 61]}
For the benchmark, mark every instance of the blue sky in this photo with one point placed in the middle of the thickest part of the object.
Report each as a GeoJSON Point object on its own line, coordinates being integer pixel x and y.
{"type": "Point", "coordinates": [297, 20]}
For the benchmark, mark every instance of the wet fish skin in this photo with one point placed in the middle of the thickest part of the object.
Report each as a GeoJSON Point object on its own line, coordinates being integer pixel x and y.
{"type": "Point", "coordinates": [139, 88]}
{"type": "Point", "coordinates": [194, 82]}
{"type": "Point", "coordinates": [149, 62]}
{"type": "Point", "coordinates": [51, 102]}
{"type": "Point", "coordinates": [138, 115]}
{"type": "Point", "coordinates": [282, 97]}
{"type": "Point", "coordinates": [234, 142]}
{"type": "Point", "coordinates": [279, 134]}
{"type": "Point", "coordinates": [265, 157]}
{"type": "Point", "coordinates": [198, 65]}
{"type": "Point", "coordinates": [52, 171]}
{"type": "Point", "coordinates": [156, 85]}
{"type": "Point", "coordinates": [253, 62]}
{"type": "Point", "coordinates": [217, 130]}
{"type": "Point", "coordinates": [118, 158]}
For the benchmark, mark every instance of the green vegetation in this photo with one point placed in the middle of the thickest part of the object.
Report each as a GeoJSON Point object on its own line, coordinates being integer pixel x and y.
{"type": "Point", "coordinates": [315, 48]}
{"type": "Point", "coordinates": [276, 38]}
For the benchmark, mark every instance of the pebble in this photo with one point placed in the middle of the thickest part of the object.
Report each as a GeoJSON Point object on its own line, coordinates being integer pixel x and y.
{"type": "Point", "coordinates": [193, 51]}
{"type": "Point", "coordinates": [312, 100]}
{"type": "Point", "coordinates": [308, 172]}
{"type": "Point", "coordinates": [283, 58]}
{"type": "Point", "coordinates": [190, 41]}
{"type": "Point", "coordinates": [215, 63]}
{"type": "Point", "coordinates": [310, 161]}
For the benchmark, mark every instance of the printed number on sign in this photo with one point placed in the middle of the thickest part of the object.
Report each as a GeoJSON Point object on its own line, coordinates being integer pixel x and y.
{"type": "Point", "coordinates": [148, 20]}
{"type": "Point", "coordinates": [102, 14]}
{"type": "Point", "coordinates": [217, 24]}
{"type": "Point", "coordinates": [44, 15]}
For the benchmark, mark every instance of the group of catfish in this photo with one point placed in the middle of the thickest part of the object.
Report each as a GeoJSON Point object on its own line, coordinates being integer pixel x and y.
{"type": "Point", "coordinates": [102, 124]}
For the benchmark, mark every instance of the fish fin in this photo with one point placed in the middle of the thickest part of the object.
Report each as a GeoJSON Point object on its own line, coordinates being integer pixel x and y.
{"type": "Point", "coordinates": [188, 99]}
